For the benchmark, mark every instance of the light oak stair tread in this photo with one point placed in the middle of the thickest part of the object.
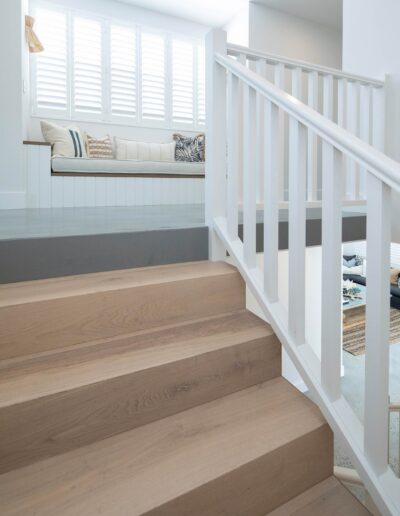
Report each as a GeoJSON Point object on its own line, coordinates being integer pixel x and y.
{"type": "Point", "coordinates": [328, 498]}
{"type": "Point", "coordinates": [54, 288]}
{"type": "Point", "coordinates": [137, 471]}
{"type": "Point", "coordinates": [49, 373]}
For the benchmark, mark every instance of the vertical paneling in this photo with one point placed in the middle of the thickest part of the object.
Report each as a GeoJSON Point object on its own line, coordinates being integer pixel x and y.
{"type": "Point", "coordinates": [352, 125]}
{"type": "Point", "coordinates": [378, 118]}
{"type": "Point", "coordinates": [233, 156]}
{"type": "Point", "coordinates": [297, 84]}
{"type": "Point", "coordinates": [271, 206]}
{"type": "Point", "coordinates": [327, 99]}
{"type": "Point", "coordinates": [80, 198]}
{"type": "Point", "coordinates": [377, 324]}
{"type": "Point", "coordinates": [215, 183]}
{"type": "Point", "coordinates": [365, 129]}
{"type": "Point", "coordinates": [312, 143]}
{"type": "Point", "coordinates": [261, 69]}
{"type": "Point", "coordinates": [249, 176]}
{"type": "Point", "coordinates": [45, 176]}
{"type": "Point", "coordinates": [34, 174]}
{"type": "Point", "coordinates": [331, 312]}
{"type": "Point", "coordinates": [279, 80]}
{"type": "Point", "coordinates": [297, 228]}
{"type": "Point", "coordinates": [68, 192]}
{"type": "Point", "coordinates": [57, 192]}
{"type": "Point", "coordinates": [341, 120]}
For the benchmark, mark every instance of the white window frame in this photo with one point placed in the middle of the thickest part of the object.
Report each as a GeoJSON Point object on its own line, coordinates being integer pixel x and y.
{"type": "Point", "coordinates": [106, 117]}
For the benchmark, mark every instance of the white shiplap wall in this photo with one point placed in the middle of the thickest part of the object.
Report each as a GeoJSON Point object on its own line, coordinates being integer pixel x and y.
{"type": "Point", "coordinates": [47, 191]}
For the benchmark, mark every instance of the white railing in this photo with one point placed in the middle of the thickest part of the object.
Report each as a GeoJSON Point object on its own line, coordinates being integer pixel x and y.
{"type": "Point", "coordinates": [352, 101]}
{"type": "Point", "coordinates": [235, 162]}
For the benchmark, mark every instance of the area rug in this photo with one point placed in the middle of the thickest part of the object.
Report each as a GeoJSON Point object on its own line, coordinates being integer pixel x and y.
{"type": "Point", "coordinates": [354, 334]}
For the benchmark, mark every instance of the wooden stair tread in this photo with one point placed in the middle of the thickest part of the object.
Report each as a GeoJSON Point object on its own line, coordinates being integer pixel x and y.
{"type": "Point", "coordinates": [135, 472]}
{"type": "Point", "coordinates": [44, 374]}
{"type": "Point", "coordinates": [328, 498]}
{"type": "Point", "coordinates": [55, 288]}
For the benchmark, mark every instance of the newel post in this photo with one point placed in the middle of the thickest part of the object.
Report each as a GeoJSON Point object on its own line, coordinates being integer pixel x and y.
{"type": "Point", "coordinates": [215, 180]}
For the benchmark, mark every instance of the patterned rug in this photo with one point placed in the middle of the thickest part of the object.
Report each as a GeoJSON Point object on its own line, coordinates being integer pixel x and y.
{"type": "Point", "coordinates": [354, 334]}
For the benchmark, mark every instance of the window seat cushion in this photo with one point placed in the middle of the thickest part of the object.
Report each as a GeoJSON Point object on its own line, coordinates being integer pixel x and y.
{"type": "Point", "coordinates": [120, 167]}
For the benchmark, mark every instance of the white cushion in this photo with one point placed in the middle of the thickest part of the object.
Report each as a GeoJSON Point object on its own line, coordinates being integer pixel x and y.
{"type": "Point", "coordinates": [129, 149]}
{"type": "Point", "coordinates": [114, 166]}
{"type": "Point", "coordinates": [64, 143]}
{"type": "Point", "coordinates": [357, 269]}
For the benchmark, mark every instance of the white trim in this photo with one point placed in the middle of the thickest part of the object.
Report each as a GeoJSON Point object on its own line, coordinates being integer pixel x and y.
{"type": "Point", "coordinates": [235, 50]}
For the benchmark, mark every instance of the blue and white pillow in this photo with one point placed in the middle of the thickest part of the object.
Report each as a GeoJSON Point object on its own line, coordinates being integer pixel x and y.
{"type": "Point", "coordinates": [67, 142]}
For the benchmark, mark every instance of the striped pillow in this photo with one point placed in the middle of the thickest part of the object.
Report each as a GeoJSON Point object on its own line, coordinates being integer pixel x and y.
{"type": "Point", "coordinates": [65, 141]}
{"type": "Point", "coordinates": [99, 148]}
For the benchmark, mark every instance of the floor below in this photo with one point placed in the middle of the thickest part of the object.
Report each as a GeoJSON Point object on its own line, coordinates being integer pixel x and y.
{"type": "Point", "coordinates": [51, 222]}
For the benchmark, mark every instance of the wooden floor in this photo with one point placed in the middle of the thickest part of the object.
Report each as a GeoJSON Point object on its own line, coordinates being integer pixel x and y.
{"type": "Point", "coordinates": [328, 498]}
{"type": "Point", "coordinates": [153, 392]}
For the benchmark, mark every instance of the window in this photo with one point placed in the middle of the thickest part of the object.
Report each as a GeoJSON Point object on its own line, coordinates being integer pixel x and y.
{"type": "Point", "coordinates": [95, 68]}
{"type": "Point", "coordinates": [153, 76]}
{"type": "Point", "coordinates": [87, 66]}
{"type": "Point", "coordinates": [123, 71]}
{"type": "Point", "coordinates": [51, 66]}
{"type": "Point", "coordinates": [182, 81]}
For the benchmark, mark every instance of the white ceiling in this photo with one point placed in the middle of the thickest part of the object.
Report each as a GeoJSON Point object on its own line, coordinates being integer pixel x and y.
{"type": "Point", "coordinates": [327, 12]}
{"type": "Point", "coordinates": [213, 13]}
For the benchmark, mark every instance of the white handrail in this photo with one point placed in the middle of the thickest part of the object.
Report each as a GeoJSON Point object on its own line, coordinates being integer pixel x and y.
{"type": "Point", "coordinates": [379, 164]}
{"type": "Point", "coordinates": [237, 50]}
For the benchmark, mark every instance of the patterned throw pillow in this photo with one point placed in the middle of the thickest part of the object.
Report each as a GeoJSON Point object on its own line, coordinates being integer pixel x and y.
{"type": "Point", "coordinates": [99, 148]}
{"type": "Point", "coordinates": [189, 148]}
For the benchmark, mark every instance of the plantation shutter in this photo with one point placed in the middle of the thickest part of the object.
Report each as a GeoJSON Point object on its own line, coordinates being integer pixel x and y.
{"type": "Point", "coordinates": [123, 71]}
{"type": "Point", "coordinates": [51, 65]}
{"type": "Point", "coordinates": [182, 82]}
{"type": "Point", "coordinates": [87, 66]}
{"type": "Point", "coordinates": [201, 85]}
{"type": "Point", "coordinates": [153, 76]}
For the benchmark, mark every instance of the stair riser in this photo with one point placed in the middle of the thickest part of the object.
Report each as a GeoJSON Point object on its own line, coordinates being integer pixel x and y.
{"type": "Point", "coordinates": [53, 324]}
{"type": "Point", "coordinates": [262, 485]}
{"type": "Point", "coordinates": [58, 423]}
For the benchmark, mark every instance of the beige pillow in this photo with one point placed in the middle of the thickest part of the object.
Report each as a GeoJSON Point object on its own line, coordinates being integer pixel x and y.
{"type": "Point", "coordinates": [394, 274]}
{"type": "Point", "coordinates": [65, 141]}
{"type": "Point", "coordinates": [142, 151]}
{"type": "Point", "coordinates": [99, 148]}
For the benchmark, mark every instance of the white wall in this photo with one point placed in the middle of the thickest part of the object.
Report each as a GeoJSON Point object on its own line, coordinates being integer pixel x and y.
{"type": "Point", "coordinates": [371, 43]}
{"type": "Point", "coordinates": [12, 55]}
{"type": "Point", "coordinates": [283, 34]}
{"type": "Point", "coordinates": [237, 28]}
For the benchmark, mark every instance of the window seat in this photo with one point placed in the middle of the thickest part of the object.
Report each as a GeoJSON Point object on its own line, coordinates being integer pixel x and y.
{"type": "Point", "coordinates": [125, 168]}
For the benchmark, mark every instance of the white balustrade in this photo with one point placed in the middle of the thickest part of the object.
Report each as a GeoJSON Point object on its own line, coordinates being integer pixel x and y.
{"type": "Point", "coordinates": [253, 133]}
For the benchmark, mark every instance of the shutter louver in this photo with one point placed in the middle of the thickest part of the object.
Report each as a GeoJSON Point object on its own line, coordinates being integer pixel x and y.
{"type": "Point", "coordinates": [87, 63]}
{"type": "Point", "coordinates": [123, 71]}
{"type": "Point", "coordinates": [51, 65]}
{"type": "Point", "coordinates": [182, 82]}
{"type": "Point", "coordinates": [201, 85]}
{"type": "Point", "coordinates": [153, 76]}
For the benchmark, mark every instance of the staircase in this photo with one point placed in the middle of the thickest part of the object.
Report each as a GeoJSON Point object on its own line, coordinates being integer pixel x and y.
{"type": "Point", "coordinates": [154, 391]}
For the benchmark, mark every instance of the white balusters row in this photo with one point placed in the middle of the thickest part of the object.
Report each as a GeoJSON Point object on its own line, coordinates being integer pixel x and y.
{"type": "Point", "coordinates": [343, 98]}
{"type": "Point", "coordinates": [265, 131]}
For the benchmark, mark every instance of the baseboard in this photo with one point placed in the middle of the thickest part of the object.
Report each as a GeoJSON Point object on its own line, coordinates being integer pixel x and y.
{"type": "Point", "coordinates": [12, 200]}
